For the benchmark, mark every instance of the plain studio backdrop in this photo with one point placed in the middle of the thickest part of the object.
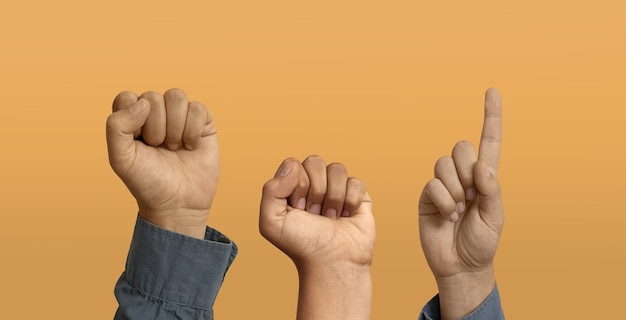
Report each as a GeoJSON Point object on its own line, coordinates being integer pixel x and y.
{"type": "Point", "coordinates": [386, 87]}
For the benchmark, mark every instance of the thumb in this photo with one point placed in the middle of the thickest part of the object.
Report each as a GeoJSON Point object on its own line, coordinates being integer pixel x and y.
{"type": "Point", "coordinates": [490, 196]}
{"type": "Point", "coordinates": [277, 191]}
{"type": "Point", "coordinates": [121, 126]}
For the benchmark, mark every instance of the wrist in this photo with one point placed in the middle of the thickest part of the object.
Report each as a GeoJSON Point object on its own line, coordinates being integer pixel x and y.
{"type": "Point", "coordinates": [335, 291]}
{"type": "Point", "coordinates": [191, 223]}
{"type": "Point", "coordinates": [333, 269]}
{"type": "Point", "coordinates": [462, 293]}
{"type": "Point", "coordinates": [352, 263]}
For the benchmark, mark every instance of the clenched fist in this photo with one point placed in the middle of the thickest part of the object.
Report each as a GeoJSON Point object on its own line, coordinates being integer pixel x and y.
{"type": "Point", "coordinates": [322, 219]}
{"type": "Point", "coordinates": [164, 148]}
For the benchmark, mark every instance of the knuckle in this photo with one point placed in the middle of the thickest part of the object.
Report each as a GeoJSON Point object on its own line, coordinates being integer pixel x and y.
{"type": "Point", "coordinates": [196, 108]}
{"type": "Point", "coordinates": [313, 158]}
{"type": "Point", "coordinates": [111, 122]}
{"type": "Point", "coordinates": [337, 166]}
{"type": "Point", "coordinates": [445, 160]}
{"type": "Point", "coordinates": [356, 190]}
{"type": "Point", "coordinates": [432, 184]}
{"type": "Point", "coordinates": [442, 164]}
{"type": "Point", "coordinates": [268, 186]}
{"type": "Point", "coordinates": [151, 96]}
{"type": "Point", "coordinates": [290, 159]}
{"type": "Point", "coordinates": [124, 95]}
{"type": "Point", "coordinates": [463, 144]}
{"type": "Point", "coordinates": [462, 148]}
{"type": "Point", "coordinates": [355, 183]}
{"type": "Point", "coordinates": [175, 94]}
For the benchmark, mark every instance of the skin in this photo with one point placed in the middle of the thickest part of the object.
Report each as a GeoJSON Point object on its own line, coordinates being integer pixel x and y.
{"type": "Point", "coordinates": [164, 148]}
{"type": "Point", "coordinates": [322, 219]}
{"type": "Point", "coordinates": [461, 218]}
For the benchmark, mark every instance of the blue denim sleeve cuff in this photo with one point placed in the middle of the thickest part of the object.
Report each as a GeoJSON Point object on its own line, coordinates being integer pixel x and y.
{"type": "Point", "coordinates": [490, 309]}
{"type": "Point", "coordinates": [170, 273]}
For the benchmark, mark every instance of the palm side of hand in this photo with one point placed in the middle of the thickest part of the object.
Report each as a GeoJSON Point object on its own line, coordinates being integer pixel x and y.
{"type": "Point", "coordinates": [318, 238]}
{"type": "Point", "coordinates": [318, 215]}
{"type": "Point", "coordinates": [163, 180]}
{"type": "Point", "coordinates": [164, 148]}
{"type": "Point", "coordinates": [467, 245]}
{"type": "Point", "coordinates": [460, 210]}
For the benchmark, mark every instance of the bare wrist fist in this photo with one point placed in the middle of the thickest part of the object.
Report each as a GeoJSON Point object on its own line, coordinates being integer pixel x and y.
{"type": "Point", "coordinates": [318, 215]}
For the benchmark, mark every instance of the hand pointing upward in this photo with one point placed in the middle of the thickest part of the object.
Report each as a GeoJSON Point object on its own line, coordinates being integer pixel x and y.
{"type": "Point", "coordinates": [461, 217]}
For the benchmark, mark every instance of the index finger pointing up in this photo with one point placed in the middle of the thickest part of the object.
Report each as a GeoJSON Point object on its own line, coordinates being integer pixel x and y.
{"type": "Point", "coordinates": [491, 137]}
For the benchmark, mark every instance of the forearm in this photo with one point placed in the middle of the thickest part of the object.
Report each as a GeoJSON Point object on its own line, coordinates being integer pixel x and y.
{"type": "Point", "coordinates": [461, 294]}
{"type": "Point", "coordinates": [335, 293]}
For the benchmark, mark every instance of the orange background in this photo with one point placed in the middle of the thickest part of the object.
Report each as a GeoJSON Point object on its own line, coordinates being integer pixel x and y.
{"type": "Point", "coordinates": [385, 87]}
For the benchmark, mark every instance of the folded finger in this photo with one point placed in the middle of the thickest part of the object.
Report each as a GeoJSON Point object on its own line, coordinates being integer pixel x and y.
{"type": "Point", "coordinates": [123, 101]}
{"type": "Point", "coordinates": [337, 178]}
{"type": "Point", "coordinates": [153, 132]}
{"type": "Point", "coordinates": [315, 168]}
{"type": "Point", "coordinates": [464, 156]}
{"type": "Point", "coordinates": [299, 195]}
{"type": "Point", "coordinates": [446, 171]}
{"type": "Point", "coordinates": [439, 196]}
{"type": "Point", "coordinates": [176, 105]}
{"type": "Point", "coordinates": [355, 195]}
{"type": "Point", "coordinates": [194, 125]}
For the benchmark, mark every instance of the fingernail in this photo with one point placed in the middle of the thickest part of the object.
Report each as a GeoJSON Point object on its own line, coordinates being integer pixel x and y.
{"type": "Point", "coordinates": [172, 146]}
{"type": "Point", "coordinates": [331, 213]}
{"type": "Point", "coordinates": [454, 217]}
{"type": "Point", "coordinates": [345, 213]}
{"type": "Point", "coordinates": [189, 147]}
{"type": "Point", "coordinates": [316, 208]}
{"type": "Point", "coordinates": [286, 169]}
{"type": "Point", "coordinates": [460, 206]}
{"type": "Point", "coordinates": [136, 108]}
{"type": "Point", "coordinates": [301, 204]}
{"type": "Point", "coordinates": [470, 194]}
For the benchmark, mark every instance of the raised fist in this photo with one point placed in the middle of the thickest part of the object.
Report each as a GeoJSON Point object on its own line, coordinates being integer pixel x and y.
{"type": "Point", "coordinates": [317, 214]}
{"type": "Point", "coordinates": [164, 148]}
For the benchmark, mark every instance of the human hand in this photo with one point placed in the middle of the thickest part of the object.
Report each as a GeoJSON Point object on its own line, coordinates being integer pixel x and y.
{"type": "Point", "coordinates": [461, 217]}
{"type": "Point", "coordinates": [317, 214]}
{"type": "Point", "coordinates": [164, 148]}
{"type": "Point", "coordinates": [322, 219]}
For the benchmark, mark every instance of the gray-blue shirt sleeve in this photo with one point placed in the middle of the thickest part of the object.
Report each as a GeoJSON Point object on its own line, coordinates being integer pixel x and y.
{"type": "Point", "coordinates": [172, 276]}
{"type": "Point", "coordinates": [490, 309]}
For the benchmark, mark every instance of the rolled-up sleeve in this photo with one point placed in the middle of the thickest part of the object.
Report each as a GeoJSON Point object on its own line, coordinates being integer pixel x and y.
{"type": "Point", "coordinates": [490, 309]}
{"type": "Point", "coordinates": [172, 276]}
